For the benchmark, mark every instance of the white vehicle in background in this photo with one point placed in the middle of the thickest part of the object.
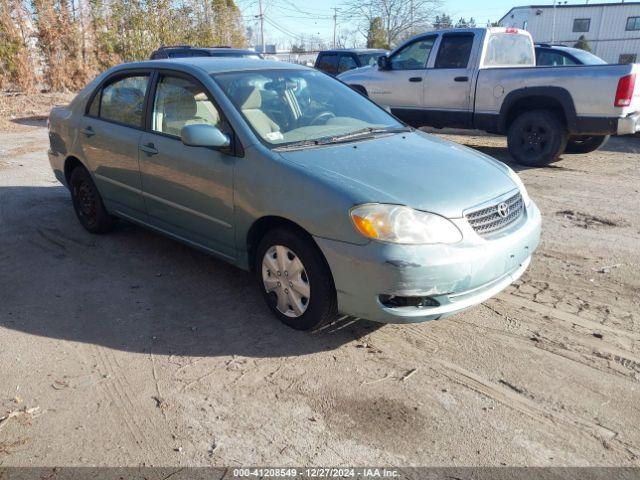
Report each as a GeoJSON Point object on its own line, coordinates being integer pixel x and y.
{"type": "Point", "coordinates": [484, 78]}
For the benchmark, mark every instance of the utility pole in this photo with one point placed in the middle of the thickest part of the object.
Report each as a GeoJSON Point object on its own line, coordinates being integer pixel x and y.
{"type": "Point", "coordinates": [553, 26]}
{"type": "Point", "coordinates": [261, 17]}
{"type": "Point", "coordinates": [335, 25]}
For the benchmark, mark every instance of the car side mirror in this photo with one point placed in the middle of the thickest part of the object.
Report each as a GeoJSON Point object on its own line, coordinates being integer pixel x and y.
{"type": "Point", "coordinates": [204, 136]}
{"type": "Point", "coordinates": [384, 63]}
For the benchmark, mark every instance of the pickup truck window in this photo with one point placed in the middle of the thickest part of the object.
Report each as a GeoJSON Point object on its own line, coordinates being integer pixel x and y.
{"type": "Point", "coordinates": [414, 56]}
{"type": "Point", "coordinates": [509, 50]}
{"type": "Point", "coordinates": [454, 51]}
{"type": "Point", "coordinates": [122, 101]}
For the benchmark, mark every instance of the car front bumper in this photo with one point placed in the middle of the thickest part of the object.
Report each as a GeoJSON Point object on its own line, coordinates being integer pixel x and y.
{"type": "Point", "coordinates": [455, 276]}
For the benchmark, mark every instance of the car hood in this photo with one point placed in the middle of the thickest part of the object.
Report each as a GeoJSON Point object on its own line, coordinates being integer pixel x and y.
{"type": "Point", "coordinates": [413, 169]}
{"type": "Point", "coordinates": [354, 72]}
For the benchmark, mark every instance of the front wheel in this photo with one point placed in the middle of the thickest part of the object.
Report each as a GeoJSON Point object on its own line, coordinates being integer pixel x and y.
{"type": "Point", "coordinates": [585, 143]}
{"type": "Point", "coordinates": [294, 279]}
{"type": "Point", "coordinates": [536, 138]}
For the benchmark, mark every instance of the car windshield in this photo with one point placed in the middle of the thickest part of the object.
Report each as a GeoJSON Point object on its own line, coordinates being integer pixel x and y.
{"type": "Point", "coordinates": [587, 58]}
{"type": "Point", "coordinates": [286, 107]}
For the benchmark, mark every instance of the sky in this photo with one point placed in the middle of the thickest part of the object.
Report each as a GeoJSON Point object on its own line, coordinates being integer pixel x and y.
{"type": "Point", "coordinates": [286, 20]}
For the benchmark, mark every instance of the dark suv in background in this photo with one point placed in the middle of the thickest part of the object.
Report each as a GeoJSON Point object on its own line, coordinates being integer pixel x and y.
{"type": "Point", "coordinates": [335, 62]}
{"type": "Point", "coordinates": [181, 51]}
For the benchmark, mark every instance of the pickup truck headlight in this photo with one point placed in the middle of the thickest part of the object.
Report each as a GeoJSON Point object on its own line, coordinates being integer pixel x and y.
{"type": "Point", "coordinates": [400, 224]}
{"type": "Point", "coordinates": [523, 191]}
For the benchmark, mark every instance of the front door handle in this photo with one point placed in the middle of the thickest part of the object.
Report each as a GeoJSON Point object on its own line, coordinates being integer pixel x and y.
{"type": "Point", "coordinates": [149, 149]}
{"type": "Point", "coordinates": [461, 79]}
{"type": "Point", "coordinates": [88, 131]}
{"type": "Point", "coordinates": [415, 79]}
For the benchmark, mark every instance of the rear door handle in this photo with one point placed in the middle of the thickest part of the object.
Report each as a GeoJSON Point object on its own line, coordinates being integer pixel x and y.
{"type": "Point", "coordinates": [415, 79]}
{"type": "Point", "coordinates": [149, 149]}
{"type": "Point", "coordinates": [461, 79]}
{"type": "Point", "coordinates": [88, 131]}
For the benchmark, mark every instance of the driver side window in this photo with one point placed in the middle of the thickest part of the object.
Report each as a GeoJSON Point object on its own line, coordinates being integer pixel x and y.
{"type": "Point", "coordinates": [414, 56]}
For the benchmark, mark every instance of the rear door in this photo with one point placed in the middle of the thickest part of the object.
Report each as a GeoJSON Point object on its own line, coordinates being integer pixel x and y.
{"type": "Point", "coordinates": [448, 86]}
{"type": "Point", "coordinates": [188, 191]}
{"type": "Point", "coordinates": [109, 135]}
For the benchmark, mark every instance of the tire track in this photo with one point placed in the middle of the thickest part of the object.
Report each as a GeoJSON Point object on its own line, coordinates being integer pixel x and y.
{"type": "Point", "coordinates": [516, 401]}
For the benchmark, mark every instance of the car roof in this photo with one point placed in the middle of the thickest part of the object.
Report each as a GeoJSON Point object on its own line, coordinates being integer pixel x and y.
{"type": "Point", "coordinates": [354, 50]}
{"type": "Point", "coordinates": [207, 49]}
{"type": "Point", "coordinates": [555, 47]}
{"type": "Point", "coordinates": [215, 64]}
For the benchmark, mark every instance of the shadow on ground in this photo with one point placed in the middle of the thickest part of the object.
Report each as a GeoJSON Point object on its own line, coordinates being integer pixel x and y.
{"type": "Point", "coordinates": [134, 290]}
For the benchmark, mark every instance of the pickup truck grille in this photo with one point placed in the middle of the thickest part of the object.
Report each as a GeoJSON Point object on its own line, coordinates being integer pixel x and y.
{"type": "Point", "coordinates": [496, 217]}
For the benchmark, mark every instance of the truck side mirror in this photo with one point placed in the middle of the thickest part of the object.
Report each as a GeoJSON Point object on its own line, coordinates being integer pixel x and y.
{"type": "Point", "coordinates": [384, 63]}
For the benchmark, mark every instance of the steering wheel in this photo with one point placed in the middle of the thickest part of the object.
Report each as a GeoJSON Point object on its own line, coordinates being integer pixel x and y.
{"type": "Point", "coordinates": [322, 116]}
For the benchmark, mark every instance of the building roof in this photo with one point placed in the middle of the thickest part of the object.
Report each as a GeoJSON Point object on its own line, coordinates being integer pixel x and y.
{"type": "Point", "coordinates": [569, 5]}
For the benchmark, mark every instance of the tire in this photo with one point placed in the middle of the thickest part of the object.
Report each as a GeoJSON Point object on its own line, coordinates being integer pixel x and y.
{"type": "Point", "coordinates": [88, 204]}
{"type": "Point", "coordinates": [536, 138]}
{"type": "Point", "coordinates": [585, 143]}
{"type": "Point", "coordinates": [309, 301]}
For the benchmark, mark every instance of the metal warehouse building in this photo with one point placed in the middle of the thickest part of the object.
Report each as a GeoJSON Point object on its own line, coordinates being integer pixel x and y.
{"type": "Point", "coordinates": [612, 29]}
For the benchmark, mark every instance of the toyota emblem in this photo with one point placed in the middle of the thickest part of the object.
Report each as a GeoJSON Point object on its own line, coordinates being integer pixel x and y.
{"type": "Point", "coordinates": [503, 209]}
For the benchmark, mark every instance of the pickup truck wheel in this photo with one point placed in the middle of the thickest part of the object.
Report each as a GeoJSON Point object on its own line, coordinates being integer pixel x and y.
{"type": "Point", "coordinates": [87, 203]}
{"type": "Point", "coordinates": [585, 143]}
{"type": "Point", "coordinates": [536, 138]}
{"type": "Point", "coordinates": [294, 279]}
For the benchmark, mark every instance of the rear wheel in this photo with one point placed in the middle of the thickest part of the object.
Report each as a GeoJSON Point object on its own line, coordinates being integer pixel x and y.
{"type": "Point", "coordinates": [585, 143]}
{"type": "Point", "coordinates": [536, 138]}
{"type": "Point", "coordinates": [294, 280]}
{"type": "Point", "coordinates": [88, 204]}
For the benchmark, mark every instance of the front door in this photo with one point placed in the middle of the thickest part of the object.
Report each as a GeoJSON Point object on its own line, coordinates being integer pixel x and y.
{"type": "Point", "coordinates": [109, 137]}
{"type": "Point", "coordinates": [188, 190]}
{"type": "Point", "coordinates": [402, 86]}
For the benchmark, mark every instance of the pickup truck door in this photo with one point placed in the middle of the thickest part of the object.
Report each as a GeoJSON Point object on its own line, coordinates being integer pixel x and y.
{"type": "Point", "coordinates": [188, 191]}
{"type": "Point", "coordinates": [450, 78]}
{"type": "Point", "coordinates": [402, 86]}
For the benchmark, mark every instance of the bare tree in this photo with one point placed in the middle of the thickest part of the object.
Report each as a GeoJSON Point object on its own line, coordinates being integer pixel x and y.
{"type": "Point", "coordinates": [400, 18]}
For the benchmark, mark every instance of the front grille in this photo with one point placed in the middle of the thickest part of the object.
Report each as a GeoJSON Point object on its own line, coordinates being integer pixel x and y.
{"type": "Point", "coordinates": [488, 220]}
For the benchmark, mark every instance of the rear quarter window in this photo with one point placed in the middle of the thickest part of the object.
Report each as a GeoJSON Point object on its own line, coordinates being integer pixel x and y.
{"type": "Point", "coordinates": [509, 50]}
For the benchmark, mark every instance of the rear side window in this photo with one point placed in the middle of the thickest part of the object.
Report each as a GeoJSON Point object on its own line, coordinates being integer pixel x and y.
{"type": "Point", "coordinates": [548, 58]}
{"type": "Point", "coordinates": [122, 101]}
{"type": "Point", "coordinates": [454, 51]}
{"type": "Point", "coordinates": [328, 63]}
{"type": "Point", "coordinates": [509, 50]}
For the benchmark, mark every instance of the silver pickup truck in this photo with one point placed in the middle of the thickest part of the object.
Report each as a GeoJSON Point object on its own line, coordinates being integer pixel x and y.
{"type": "Point", "coordinates": [483, 78]}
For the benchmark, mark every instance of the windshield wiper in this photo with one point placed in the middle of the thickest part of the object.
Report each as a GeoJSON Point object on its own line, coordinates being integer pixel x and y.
{"type": "Point", "coordinates": [365, 133]}
{"type": "Point", "coordinates": [368, 132]}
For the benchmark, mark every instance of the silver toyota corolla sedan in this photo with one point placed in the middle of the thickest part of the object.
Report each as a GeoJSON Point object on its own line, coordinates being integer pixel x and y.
{"type": "Point", "coordinates": [334, 204]}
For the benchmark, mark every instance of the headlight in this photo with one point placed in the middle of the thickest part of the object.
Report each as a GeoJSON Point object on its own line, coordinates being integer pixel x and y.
{"type": "Point", "coordinates": [399, 224]}
{"type": "Point", "coordinates": [523, 191]}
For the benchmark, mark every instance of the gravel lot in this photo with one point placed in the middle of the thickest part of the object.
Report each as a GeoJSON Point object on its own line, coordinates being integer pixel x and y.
{"type": "Point", "coordinates": [132, 349]}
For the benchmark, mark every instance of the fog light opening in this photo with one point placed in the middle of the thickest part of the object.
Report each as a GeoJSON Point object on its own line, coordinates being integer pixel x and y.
{"type": "Point", "coordinates": [394, 301]}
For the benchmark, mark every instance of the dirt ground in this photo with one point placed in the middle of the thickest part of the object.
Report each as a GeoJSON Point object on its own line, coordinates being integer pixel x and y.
{"type": "Point", "coordinates": [131, 349]}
